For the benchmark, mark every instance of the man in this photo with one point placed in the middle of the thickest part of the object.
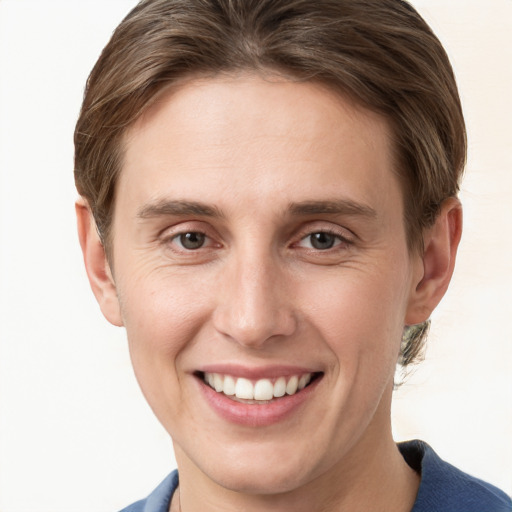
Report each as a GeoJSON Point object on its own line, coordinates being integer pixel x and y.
{"type": "Point", "coordinates": [269, 207]}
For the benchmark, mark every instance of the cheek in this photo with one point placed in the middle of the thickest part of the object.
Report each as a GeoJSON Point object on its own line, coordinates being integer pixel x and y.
{"type": "Point", "coordinates": [361, 315]}
{"type": "Point", "coordinates": [162, 314]}
{"type": "Point", "coordinates": [162, 318]}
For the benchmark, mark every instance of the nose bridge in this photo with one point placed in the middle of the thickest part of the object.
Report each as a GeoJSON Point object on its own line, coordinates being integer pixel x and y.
{"type": "Point", "coordinates": [253, 306]}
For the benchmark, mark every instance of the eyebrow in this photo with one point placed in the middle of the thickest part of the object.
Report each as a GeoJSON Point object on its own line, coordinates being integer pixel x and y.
{"type": "Point", "coordinates": [180, 208]}
{"type": "Point", "coordinates": [183, 208]}
{"type": "Point", "coordinates": [336, 207]}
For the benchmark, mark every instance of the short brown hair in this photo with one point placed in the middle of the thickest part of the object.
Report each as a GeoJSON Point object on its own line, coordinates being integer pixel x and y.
{"type": "Point", "coordinates": [380, 53]}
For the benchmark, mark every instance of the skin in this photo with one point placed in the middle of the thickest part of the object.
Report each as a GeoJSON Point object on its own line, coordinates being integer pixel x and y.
{"type": "Point", "coordinates": [253, 151]}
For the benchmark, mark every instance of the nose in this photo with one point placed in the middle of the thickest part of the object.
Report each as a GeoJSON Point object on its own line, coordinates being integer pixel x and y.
{"type": "Point", "coordinates": [254, 303]}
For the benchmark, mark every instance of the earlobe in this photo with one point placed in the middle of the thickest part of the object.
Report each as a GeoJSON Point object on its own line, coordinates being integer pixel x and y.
{"type": "Point", "coordinates": [437, 262]}
{"type": "Point", "coordinates": [96, 264]}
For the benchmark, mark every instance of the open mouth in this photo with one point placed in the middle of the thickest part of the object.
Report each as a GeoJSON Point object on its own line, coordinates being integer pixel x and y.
{"type": "Point", "coordinates": [261, 391]}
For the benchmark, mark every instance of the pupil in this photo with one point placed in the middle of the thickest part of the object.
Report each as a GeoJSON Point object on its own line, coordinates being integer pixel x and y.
{"type": "Point", "coordinates": [192, 240]}
{"type": "Point", "coordinates": [322, 240]}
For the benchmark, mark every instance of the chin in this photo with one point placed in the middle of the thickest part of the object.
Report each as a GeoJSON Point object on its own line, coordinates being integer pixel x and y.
{"type": "Point", "coordinates": [261, 479]}
{"type": "Point", "coordinates": [260, 468]}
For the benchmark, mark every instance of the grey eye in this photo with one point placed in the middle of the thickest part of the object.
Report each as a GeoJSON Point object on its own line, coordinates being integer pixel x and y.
{"type": "Point", "coordinates": [192, 240]}
{"type": "Point", "coordinates": [322, 241]}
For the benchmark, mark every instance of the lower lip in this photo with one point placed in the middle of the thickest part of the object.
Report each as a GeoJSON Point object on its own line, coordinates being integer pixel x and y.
{"type": "Point", "coordinates": [257, 415]}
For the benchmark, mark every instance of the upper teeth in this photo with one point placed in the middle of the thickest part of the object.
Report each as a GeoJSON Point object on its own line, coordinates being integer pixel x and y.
{"type": "Point", "coordinates": [262, 389]}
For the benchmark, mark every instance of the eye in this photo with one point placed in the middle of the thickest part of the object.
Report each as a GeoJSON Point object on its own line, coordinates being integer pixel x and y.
{"type": "Point", "coordinates": [191, 240]}
{"type": "Point", "coordinates": [321, 241]}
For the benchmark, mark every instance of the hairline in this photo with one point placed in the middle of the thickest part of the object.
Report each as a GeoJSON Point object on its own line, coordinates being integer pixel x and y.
{"type": "Point", "coordinates": [414, 238]}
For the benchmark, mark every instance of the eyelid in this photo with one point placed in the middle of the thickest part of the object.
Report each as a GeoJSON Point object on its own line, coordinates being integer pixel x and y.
{"type": "Point", "coordinates": [171, 233]}
{"type": "Point", "coordinates": [344, 234]}
{"type": "Point", "coordinates": [177, 239]}
{"type": "Point", "coordinates": [340, 241]}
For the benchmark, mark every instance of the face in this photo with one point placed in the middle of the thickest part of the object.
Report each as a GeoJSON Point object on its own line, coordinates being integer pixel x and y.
{"type": "Point", "coordinates": [259, 249]}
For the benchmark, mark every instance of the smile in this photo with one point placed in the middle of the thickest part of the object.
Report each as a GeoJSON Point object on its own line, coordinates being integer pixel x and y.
{"type": "Point", "coordinates": [259, 391]}
{"type": "Point", "coordinates": [257, 397]}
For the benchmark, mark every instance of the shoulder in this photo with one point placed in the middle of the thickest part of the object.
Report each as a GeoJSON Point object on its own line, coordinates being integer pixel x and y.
{"type": "Point", "coordinates": [159, 500]}
{"type": "Point", "coordinates": [444, 488]}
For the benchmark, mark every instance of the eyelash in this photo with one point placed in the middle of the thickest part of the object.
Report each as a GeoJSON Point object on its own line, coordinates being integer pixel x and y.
{"type": "Point", "coordinates": [339, 240]}
{"type": "Point", "coordinates": [178, 238]}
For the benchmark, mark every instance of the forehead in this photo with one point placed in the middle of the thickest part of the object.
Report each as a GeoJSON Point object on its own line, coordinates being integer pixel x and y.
{"type": "Point", "coordinates": [297, 109]}
{"type": "Point", "coordinates": [255, 134]}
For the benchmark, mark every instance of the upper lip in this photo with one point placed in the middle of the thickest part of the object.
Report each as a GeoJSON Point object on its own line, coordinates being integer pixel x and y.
{"type": "Point", "coordinates": [257, 372]}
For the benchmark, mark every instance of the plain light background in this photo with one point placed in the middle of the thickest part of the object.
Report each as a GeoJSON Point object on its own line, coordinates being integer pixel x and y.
{"type": "Point", "coordinates": [75, 432]}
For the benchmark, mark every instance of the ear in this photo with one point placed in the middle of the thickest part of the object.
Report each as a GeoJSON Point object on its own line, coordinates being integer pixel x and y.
{"type": "Point", "coordinates": [435, 266]}
{"type": "Point", "coordinates": [96, 264]}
